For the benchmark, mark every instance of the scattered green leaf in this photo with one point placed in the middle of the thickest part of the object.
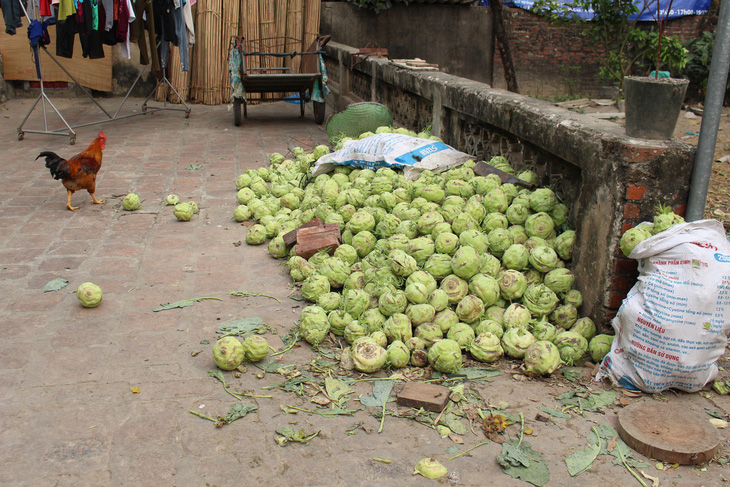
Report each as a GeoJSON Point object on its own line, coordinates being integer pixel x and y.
{"type": "Point", "coordinates": [242, 326]}
{"type": "Point", "coordinates": [55, 285]}
{"type": "Point", "coordinates": [554, 413]}
{"type": "Point", "coordinates": [453, 422]}
{"type": "Point", "coordinates": [520, 461]}
{"type": "Point", "coordinates": [571, 373]}
{"type": "Point", "coordinates": [271, 365]}
{"type": "Point", "coordinates": [239, 410]}
{"type": "Point", "coordinates": [327, 413]}
{"type": "Point", "coordinates": [380, 394]}
{"type": "Point", "coordinates": [337, 390]}
{"type": "Point", "coordinates": [468, 450]}
{"type": "Point", "coordinates": [380, 397]}
{"type": "Point", "coordinates": [581, 460]}
{"type": "Point", "coordinates": [204, 342]}
{"type": "Point", "coordinates": [287, 435]}
{"type": "Point", "coordinates": [353, 429]}
{"type": "Point", "coordinates": [584, 400]}
{"type": "Point", "coordinates": [293, 384]}
{"type": "Point", "coordinates": [246, 294]}
{"type": "Point", "coordinates": [716, 414]}
{"type": "Point", "coordinates": [289, 340]}
{"type": "Point", "coordinates": [721, 387]}
{"type": "Point", "coordinates": [180, 304]}
{"type": "Point", "coordinates": [194, 167]}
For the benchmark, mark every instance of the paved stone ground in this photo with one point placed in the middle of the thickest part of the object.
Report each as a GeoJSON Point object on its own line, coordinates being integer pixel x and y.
{"type": "Point", "coordinates": [67, 374]}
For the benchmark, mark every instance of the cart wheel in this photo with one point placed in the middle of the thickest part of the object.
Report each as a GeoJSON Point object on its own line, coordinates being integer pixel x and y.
{"type": "Point", "coordinates": [21, 135]}
{"type": "Point", "coordinates": [73, 140]}
{"type": "Point", "coordinates": [319, 109]}
{"type": "Point", "coordinates": [187, 114]}
{"type": "Point", "coordinates": [237, 111]}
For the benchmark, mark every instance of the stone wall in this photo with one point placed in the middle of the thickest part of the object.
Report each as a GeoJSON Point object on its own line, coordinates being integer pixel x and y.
{"type": "Point", "coordinates": [610, 181]}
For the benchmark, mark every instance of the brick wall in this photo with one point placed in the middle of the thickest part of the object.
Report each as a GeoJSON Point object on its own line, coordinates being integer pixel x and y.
{"type": "Point", "coordinates": [555, 61]}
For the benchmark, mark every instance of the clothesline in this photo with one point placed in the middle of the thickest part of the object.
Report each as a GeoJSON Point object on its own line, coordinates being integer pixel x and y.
{"type": "Point", "coordinates": [41, 42]}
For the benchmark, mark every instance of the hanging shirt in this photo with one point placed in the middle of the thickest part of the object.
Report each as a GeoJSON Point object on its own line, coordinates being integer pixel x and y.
{"type": "Point", "coordinates": [95, 14]}
{"type": "Point", "coordinates": [188, 14]}
{"type": "Point", "coordinates": [91, 38]}
{"type": "Point", "coordinates": [125, 45]}
{"type": "Point", "coordinates": [66, 8]}
{"type": "Point", "coordinates": [109, 13]}
{"type": "Point", "coordinates": [45, 8]}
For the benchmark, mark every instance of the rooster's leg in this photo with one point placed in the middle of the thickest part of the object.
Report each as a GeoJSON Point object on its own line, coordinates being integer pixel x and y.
{"type": "Point", "coordinates": [96, 202]}
{"type": "Point", "coordinates": [68, 204]}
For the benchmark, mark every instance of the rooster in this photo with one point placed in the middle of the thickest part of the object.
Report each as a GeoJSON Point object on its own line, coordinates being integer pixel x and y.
{"type": "Point", "coordinates": [78, 172]}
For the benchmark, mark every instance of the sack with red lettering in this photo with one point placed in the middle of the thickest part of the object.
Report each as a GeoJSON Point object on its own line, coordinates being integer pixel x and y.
{"type": "Point", "coordinates": [674, 323]}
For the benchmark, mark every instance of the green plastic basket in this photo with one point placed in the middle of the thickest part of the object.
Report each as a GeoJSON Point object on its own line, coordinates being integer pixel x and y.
{"type": "Point", "coordinates": [358, 118]}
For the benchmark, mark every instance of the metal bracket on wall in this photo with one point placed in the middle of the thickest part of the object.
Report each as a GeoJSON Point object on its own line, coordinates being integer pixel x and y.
{"type": "Point", "coordinates": [363, 53]}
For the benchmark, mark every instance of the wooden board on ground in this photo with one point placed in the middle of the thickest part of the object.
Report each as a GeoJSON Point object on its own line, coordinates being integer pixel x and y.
{"type": "Point", "coordinates": [430, 397]}
{"type": "Point", "coordinates": [668, 432]}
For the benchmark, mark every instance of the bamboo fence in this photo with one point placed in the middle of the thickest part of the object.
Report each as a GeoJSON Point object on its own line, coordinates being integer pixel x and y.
{"type": "Point", "coordinates": [260, 22]}
{"type": "Point", "coordinates": [252, 33]}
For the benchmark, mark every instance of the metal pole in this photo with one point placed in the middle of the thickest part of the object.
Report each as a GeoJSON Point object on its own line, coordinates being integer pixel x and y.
{"type": "Point", "coordinates": [710, 117]}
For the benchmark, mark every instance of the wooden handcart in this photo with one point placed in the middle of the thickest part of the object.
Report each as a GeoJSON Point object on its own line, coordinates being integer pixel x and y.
{"type": "Point", "coordinates": [274, 82]}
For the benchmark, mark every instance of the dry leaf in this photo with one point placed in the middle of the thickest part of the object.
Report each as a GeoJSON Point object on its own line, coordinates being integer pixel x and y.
{"type": "Point", "coordinates": [456, 439]}
{"type": "Point", "coordinates": [322, 401]}
{"type": "Point", "coordinates": [719, 423]}
{"type": "Point", "coordinates": [629, 393]}
{"type": "Point", "coordinates": [623, 401]}
{"type": "Point", "coordinates": [654, 480]}
{"type": "Point", "coordinates": [611, 444]}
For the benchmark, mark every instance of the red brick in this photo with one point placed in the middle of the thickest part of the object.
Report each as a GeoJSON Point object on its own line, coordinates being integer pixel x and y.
{"type": "Point", "coordinates": [310, 240]}
{"type": "Point", "coordinates": [635, 193]}
{"type": "Point", "coordinates": [681, 210]}
{"type": "Point", "coordinates": [311, 245]}
{"type": "Point", "coordinates": [290, 238]}
{"type": "Point", "coordinates": [625, 266]}
{"type": "Point", "coordinates": [615, 300]}
{"type": "Point", "coordinates": [622, 283]}
{"type": "Point", "coordinates": [626, 226]}
{"type": "Point", "coordinates": [642, 154]}
{"type": "Point", "coordinates": [631, 211]}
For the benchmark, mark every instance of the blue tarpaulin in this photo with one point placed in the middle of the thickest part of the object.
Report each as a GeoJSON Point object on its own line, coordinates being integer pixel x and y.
{"type": "Point", "coordinates": [680, 8]}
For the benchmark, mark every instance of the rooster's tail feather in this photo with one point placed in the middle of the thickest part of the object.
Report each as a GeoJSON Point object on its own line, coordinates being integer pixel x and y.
{"type": "Point", "coordinates": [55, 163]}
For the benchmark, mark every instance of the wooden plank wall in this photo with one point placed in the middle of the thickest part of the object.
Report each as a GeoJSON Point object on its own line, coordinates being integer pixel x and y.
{"type": "Point", "coordinates": [259, 21]}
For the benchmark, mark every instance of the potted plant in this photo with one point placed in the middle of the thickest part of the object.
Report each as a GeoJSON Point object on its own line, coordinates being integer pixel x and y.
{"type": "Point", "coordinates": [624, 49]}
